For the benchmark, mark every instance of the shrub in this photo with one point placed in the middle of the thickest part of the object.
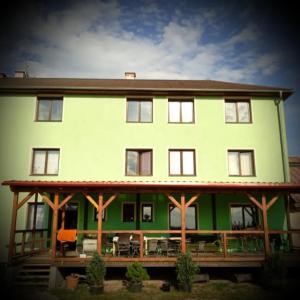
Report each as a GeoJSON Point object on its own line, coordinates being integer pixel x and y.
{"type": "Point", "coordinates": [186, 270]}
{"type": "Point", "coordinates": [136, 273]}
{"type": "Point", "coordinates": [96, 270]}
{"type": "Point", "coordinates": [273, 272]}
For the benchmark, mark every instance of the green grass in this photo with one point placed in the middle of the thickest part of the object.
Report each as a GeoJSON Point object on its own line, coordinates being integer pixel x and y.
{"type": "Point", "coordinates": [213, 290]}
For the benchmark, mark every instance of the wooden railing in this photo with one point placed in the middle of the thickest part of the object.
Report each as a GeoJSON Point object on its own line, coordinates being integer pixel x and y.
{"type": "Point", "coordinates": [30, 242]}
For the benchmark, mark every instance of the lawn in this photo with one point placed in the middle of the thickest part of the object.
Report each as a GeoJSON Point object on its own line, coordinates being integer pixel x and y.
{"type": "Point", "coordinates": [217, 289]}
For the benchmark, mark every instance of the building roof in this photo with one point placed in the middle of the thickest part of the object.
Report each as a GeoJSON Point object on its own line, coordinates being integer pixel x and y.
{"type": "Point", "coordinates": [137, 86]}
{"type": "Point", "coordinates": [152, 186]}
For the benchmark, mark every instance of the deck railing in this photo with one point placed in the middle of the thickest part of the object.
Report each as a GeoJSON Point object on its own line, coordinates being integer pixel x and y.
{"type": "Point", "coordinates": [217, 244]}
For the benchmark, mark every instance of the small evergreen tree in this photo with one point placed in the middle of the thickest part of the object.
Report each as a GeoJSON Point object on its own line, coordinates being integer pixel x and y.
{"type": "Point", "coordinates": [186, 270]}
{"type": "Point", "coordinates": [96, 270]}
{"type": "Point", "coordinates": [136, 274]}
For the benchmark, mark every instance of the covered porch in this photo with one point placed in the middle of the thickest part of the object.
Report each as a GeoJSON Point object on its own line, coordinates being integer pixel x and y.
{"type": "Point", "coordinates": [234, 246]}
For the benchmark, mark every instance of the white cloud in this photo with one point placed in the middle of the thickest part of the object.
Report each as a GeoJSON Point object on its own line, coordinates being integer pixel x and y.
{"type": "Point", "coordinates": [89, 40]}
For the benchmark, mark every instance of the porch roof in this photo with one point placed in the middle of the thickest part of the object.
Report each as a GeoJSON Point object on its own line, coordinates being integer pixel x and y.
{"type": "Point", "coordinates": [152, 186]}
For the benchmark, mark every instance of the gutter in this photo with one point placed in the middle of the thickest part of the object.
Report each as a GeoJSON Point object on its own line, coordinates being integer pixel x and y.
{"type": "Point", "coordinates": [277, 103]}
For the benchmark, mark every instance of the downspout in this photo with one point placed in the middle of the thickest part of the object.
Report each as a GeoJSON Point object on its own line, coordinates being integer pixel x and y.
{"type": "Point", "coordinates": [277, 103]}
{"type": "Point", "coordinates": [284, 166]}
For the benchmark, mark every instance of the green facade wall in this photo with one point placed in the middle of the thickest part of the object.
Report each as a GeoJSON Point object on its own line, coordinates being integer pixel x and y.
{"type": "Point", "coordinates": [93, 137]}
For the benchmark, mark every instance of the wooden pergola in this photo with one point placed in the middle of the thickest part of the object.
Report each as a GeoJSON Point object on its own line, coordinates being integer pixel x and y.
{"type": "Point", "coordinates": [257, 193]}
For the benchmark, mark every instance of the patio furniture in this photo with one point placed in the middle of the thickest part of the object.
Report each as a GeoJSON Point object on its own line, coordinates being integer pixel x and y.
{"type": "Point", "coordinates": [123, 244]}
{"type": "Point", "coordinates": [152, 247]}
{"type": "Point", "coordinates": [65, 237]}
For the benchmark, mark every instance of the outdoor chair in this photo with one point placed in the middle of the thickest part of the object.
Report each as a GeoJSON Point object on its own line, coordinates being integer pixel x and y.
{"type": "Point", "coordinates": [123, 244]}
{"type": "Point", "coordinates": [173, 247]}
{"type": "Point", "coordinates": [66, 237]}
{"type": "Point", "coordinates": [152, 247]}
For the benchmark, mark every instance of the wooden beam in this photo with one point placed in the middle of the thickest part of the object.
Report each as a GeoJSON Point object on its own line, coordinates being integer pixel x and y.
{"type": "Point", "coordinates": [25, 199]}
{"type": "Point", "coordinates": [92, 201]}
{"type": "Point", "coordinates": [54, 225]}
{"type": "Point", "coordinates": [99, 235]}
{"type": "Point", "coordinates": [173, 200]}
{"type": "Point", "coordinates": [183, 224]}
{"type": "Point", "coordinates": [266, 227]}
{"type": "Point", "coordinates": [110, 200]}
{"type": "Point", "coordinates": [66, 200]}
{"type": "Point", "coordinates": [47, 200]}
{"type": "Point", "coordinates": [13, 227]}
{"type": "Point", "coordinates": [192, 200]}
{"type": "Point", "coordinates": [255, 201]}
{"type": "Point", "coordinates": [141, 245]}
{"type": "Point", "coordinates": [272, 201]}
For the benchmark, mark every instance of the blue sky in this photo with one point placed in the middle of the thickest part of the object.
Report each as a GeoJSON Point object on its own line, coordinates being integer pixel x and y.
{"type": "Point", "coordinates": [240, 41]}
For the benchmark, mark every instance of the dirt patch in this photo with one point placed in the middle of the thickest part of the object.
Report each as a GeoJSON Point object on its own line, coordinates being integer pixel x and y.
{"type": "Point", "coordinates": [113, 285]}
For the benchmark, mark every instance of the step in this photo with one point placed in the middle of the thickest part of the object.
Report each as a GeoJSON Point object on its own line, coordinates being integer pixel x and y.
{"type": "Point", "coordinates": [25, 276]}
{"type": "Point", "coordinates": [34, 271]}
{"type": "Point", "coordinates": [30, 283]}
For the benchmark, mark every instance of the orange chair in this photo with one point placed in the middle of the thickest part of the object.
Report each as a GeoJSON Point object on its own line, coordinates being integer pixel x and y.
{"type": "Point", "coordinates": [65, 236]}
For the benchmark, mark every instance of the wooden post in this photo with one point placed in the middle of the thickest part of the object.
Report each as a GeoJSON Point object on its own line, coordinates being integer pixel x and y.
{"type": "Point", "coordinates": [99, 235]}
{"type": "Point", "coordinates": [266, 227]}
{"type": "Point", "coordinates": [183, 224]}
{"type": "Point", "coordinates": [141, 244]}
{"type": "Point", "coordinates": [54, 225]}
{"type": "Point", "coordinates": [225, 244]}
{"type": "Point", "coordinates": [34, 222]}
{"type": "Point", "coordinates": [13, 227]}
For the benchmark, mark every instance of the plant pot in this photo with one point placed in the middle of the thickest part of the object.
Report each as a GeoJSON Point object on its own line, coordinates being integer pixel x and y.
{"type": "Point", "coordinates": [134, 287]}
{"type": "Point", "coordinates": [72, 281]}
{"type": "Point", "coordinates": [96, 289]}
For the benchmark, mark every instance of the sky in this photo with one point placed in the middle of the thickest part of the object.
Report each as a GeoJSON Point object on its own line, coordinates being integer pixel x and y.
{"type": "Point", "coordinates": [254, 42]}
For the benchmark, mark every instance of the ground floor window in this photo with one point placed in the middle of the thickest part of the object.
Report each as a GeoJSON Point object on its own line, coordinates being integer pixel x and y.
{"type": "Point", "coordinates": [35, 212]}
{"type": "Point", "coordinates": [128, 212]}
{"type": "Point", "coordinates": [243, 216]}
{"type": "Point", "coordinates": [147, 212]}
{"type": "Point", "coordinates": [96, 214]}
{"type": "Point", "coordinates": [175, 217]}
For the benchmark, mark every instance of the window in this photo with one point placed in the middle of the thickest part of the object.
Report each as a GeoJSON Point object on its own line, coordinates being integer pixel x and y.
{"type": "Point", "coordinates": [181, 111]}
{"type": "Point", "coordinates": [45, 162]}
{"type": "Point", "coordinates": [147, 212]}
{"type": "Point", "coordinates": [38, 209]}
{"type": "Point", "coordinates": [96, 214]}
{"type": "Point", "coordinates": [128, 212]}
{"type": "Point", "coordinates": [175, 217]}
{"type": "Point", "coordinates": [139, 162]}
{"type": "Point", "coordinates": [241, 163]}
{"type": "Point", "coordinates": [139, 111]}
{"type": "Point", "coordinates": [237, 111]}
{"type": "Point", "coordinates": [49, 109]}
{"type": "Point", "coordinates": [243, 216]}
{"type": "Point", "coordinates": [182, 162]}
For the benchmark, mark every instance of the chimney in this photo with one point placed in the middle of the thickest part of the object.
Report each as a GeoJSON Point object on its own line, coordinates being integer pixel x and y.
{"type": "Point", "coordinates": [130, 75]}
{"type": "Point", "coordinates": [21, 74]}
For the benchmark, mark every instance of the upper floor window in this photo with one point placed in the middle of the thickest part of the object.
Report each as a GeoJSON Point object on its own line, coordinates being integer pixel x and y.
{"type": "Point", "coordinates": [181, 111]}
{"type": "Point", "coordinates": [139, 162]}
{"type": "Point", "coordinates": [241, 163]}
{"type": "Point", "coordinates": [49, 109]}
{"type": "Point", "coordinates": [237, 111]}
{"type": "Point", "coordinates": [139, 111]}
{"type": "Point", "coordinates": [45, 162]}
{"type": "Point", "coordinates": [182, 162]}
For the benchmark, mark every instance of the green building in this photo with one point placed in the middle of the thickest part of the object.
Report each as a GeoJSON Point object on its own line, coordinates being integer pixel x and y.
{"type": "Point", "coordinates": [195, 161]}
